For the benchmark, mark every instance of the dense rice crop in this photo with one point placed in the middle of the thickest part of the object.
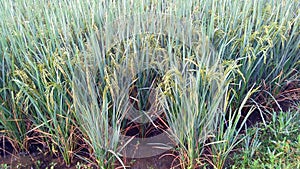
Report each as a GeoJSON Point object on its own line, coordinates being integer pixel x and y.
{"type": "Point", "coordinates": [68, 68]}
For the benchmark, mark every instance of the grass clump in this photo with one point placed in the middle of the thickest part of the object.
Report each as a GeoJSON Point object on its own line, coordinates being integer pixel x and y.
{"type": "Point", "coordinates": [273, 146]}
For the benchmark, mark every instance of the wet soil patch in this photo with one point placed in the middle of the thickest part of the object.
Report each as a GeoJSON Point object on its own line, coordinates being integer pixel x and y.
{"type": "Point", "coordinates": [167, 160]}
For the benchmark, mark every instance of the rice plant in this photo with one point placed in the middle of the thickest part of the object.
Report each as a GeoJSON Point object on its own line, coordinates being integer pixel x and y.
{"type": "Point", "coordinates": [262, 35]}
{"type": "Point", "coordinates": [38, 56]}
